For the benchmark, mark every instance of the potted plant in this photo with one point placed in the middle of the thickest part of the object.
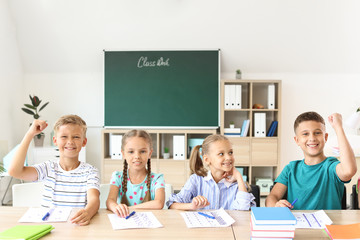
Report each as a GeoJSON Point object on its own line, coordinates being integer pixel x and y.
{"type": "Point", "coordinates": [166, 153]}
{"type": "Point", "coordinates": [238, 74]}
{"type": "Point", "coordinates": [32, 109]}
{"type": "Point", "coordinates": [232, 124]}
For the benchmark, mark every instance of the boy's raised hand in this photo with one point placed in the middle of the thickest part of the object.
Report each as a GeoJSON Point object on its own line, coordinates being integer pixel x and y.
{"type": "Point", "coordinates": [335, 120]}
{"type": "Point", "coordinates": [199, 202]}
{"type": "Point", "coordinates": [37, 127]}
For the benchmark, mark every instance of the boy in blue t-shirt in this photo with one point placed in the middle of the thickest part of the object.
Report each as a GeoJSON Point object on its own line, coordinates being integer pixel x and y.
{"type": "Point", "coordinates": [316, 181]}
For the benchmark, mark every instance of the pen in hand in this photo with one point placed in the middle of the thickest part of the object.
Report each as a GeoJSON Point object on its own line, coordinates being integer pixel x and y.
{"type": "Point", "coordinates": [206, 215]}
{"type": "Point", "coordinates": [131, 214]}
{"type": "Point", "coordinates": [292, 204]}
{"type": "Point", "coordinates": [47, 215]}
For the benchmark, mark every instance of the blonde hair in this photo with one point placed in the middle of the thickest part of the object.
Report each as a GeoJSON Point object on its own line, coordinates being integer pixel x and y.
{"type": "Point", "coordinates": [142, 134]}
{"type": "Point", "coordinates": [196, 163]}
{"type": "Point", "coordinates": [70, 119]}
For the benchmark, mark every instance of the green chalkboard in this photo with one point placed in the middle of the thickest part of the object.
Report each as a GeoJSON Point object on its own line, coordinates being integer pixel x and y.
{"type": "Point", "coordinates": [161, 88]}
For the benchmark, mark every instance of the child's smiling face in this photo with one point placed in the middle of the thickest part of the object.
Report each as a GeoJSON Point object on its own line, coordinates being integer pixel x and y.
{"type": "Point", "coordinates": [137, 152]}
{"type": "Point", "coordinates": [70, 138]}
{"type": "Point", "coordinates": [220, 157]}
{"type": "Point", "coordinates": [311, 138]}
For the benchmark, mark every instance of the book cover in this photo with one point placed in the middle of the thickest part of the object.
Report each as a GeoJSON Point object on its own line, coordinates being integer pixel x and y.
{"type": "Point", "coordinates": [269, 129]}
{"type": "Point", "coordinates": [273, 129]}
{"type": "Point", "coordinates": [348, 231]}
{"type": "Point", "coordinates": [245, 128]}
{"type": "Point", "coordinates": [274, 227]}
{"type": "Point", "coordinates": [272, 215]}
{"type": "Point", "coordinates": [232, 130]}
{"type": "Point", "coordinates": [29, 232]}
{"type": "Point", "coordinates": [272, 234]}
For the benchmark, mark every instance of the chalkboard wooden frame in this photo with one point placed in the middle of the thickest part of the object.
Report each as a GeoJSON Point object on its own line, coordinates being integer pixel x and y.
{"type": "Point", "coordinates": [162, 89]}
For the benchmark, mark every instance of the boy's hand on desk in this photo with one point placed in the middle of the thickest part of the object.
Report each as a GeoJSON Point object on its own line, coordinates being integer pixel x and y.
{"type": "Point", "coordinates": [199, 202]}
{"type": "Point", "coordinates": [283, 203]}
{"type": "Point", "coordinates": [82, 217]}
{"type": "Point", "coordinates": [122, 210]}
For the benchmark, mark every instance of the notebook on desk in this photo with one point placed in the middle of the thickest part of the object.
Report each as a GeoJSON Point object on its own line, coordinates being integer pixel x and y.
{"type": "Point", "coordinates": [27, 232]}
{"type": "Point", "coordinates": [272, 215]}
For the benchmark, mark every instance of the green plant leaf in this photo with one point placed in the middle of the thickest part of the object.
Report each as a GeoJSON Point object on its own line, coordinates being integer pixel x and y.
{"type": "Point", "coordinates": [32, 100]}
{"type": "Point", "coordinates": [43, 106]}
{"type": "Point", "coordinates": [36, 116]}
{"type": "Point", "coordinates": [30, 106]}
{"type": "Point", "coordinates": [28, 111]}
{"type": "Point", "coordinates": [36, 101]}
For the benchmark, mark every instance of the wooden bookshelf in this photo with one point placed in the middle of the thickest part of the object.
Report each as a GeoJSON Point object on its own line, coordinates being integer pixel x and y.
{"type": "Point", "coordinates": [260, 156]}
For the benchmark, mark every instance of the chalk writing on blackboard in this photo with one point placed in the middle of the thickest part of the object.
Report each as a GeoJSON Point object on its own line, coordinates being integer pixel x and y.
{"type": "Point", "coordinates": [160, 62]}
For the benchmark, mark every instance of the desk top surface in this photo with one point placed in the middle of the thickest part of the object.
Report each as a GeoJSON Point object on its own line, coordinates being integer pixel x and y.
{"type": "Point", "coordinates": [174, 226]}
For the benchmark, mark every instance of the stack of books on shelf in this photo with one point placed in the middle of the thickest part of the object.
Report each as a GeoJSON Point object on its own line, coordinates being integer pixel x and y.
{"type": "Point", "coordinates": [272, 223]}
{"type": "Point", "coordinates": [232, 132]}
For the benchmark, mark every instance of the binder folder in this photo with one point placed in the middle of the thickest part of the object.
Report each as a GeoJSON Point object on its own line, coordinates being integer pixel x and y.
{"type": "Point", "coordinates": [232, 96]}
{"type": "Point", "coordinates": [115, 146]}
{"type": "Point", "coordinates": [259, 124]}
{"type": "Point", "coordinates": [179, 147]}
{"type": "Point", "coordinates": [227, 97]}
{"type": "Point", "coordinates": [271, 96]}
{"type": "Point", "coordinates": [238, 96]}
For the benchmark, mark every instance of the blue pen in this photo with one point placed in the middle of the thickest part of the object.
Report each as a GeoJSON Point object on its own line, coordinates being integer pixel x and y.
{"type": "Point", "coordinates": [131, 214]}
{"type": "Point", "coordinates": [206, 215]}
{"type": "Point", "coordinates": [47, 215]}
{"type": "Point", "coordinates": [292, 204]}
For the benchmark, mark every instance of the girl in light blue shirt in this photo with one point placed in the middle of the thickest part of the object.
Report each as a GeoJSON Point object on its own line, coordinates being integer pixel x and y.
{"type": "Point", "coordinates": [221, 187]}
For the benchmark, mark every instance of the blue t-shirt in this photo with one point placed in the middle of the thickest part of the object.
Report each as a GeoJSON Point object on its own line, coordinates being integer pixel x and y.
{"type": "Point", "coordinates": [315, 186]}
{"type": "Point", "coordinates": [135, 193]}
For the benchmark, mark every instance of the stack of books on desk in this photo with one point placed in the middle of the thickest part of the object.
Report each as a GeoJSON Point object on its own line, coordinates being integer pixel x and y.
{"type": "Point", "coordinates": [232, 132]}
{"type": "Point", "coordinates": [272, 223]}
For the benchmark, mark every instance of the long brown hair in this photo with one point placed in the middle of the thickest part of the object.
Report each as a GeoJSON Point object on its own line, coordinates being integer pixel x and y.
{"type": "Point", "coordinates": [142, 134]}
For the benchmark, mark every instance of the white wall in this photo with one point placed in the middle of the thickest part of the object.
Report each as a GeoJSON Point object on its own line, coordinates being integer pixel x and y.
{"type": "Point", "coordinates": [311, 45]}
{"type": "Point", "coordinates": [11, 90]}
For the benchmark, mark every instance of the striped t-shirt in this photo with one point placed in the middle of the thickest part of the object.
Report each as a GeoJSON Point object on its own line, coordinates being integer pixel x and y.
{"type": "Point", "coordinates": [66, 188]}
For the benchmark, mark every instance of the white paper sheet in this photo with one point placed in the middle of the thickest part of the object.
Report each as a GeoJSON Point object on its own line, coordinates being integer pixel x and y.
{"type": "Point", "coordinates": [316, 220]}
{"type": "Point", "coordinates": [60, 214]}
{"type": "Point", "coordinates": [138, 220]}
{"type": "Point", "coordinates": [195, 220]}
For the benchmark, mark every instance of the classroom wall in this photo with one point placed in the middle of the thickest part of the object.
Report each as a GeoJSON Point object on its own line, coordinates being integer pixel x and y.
{"type": "Point", "coordinates": [312, 46]}
{"type": "Point", "coordinates": [11, 90]}
{"type": "Point", "coordinates": [11, 80]}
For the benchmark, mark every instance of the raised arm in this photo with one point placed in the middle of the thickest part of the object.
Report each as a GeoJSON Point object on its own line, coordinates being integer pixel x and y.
{"type": "Point", "coordinates": [17, 168]}
{"type": "Point", "coordinates": [346, 169]}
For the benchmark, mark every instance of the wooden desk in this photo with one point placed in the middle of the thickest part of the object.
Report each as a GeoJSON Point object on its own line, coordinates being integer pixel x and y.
{"type": "Point", "coordinates": [241, 227]}
{"type": "Point", "coordinates": [100, 227]}
{"type": "Point", "coordinates": [174, 226]}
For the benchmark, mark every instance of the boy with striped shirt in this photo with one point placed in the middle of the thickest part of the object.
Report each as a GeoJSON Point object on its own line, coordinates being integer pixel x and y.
{"type": "Point", "coordinates": [67, 181]}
